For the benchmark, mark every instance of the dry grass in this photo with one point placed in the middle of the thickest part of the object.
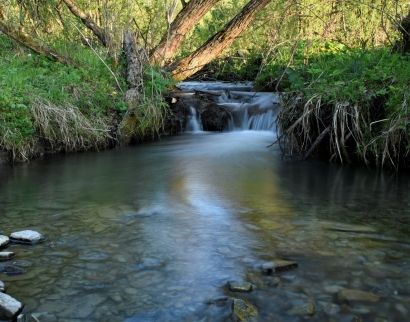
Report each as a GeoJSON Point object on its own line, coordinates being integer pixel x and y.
{"type": "Point", "coordinates": [66, 128]}
{"type": "Point", "coordinates": [353, 133]}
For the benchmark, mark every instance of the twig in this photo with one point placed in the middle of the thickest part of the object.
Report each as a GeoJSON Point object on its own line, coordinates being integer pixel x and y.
{"type": "Point", "coordinates": [102, 60]}
{"type": "Point", "coordinates": [316, 143]}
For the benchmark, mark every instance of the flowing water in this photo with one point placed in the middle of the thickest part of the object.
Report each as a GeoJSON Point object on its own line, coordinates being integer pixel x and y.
{"type": "Point", "coordinates": [154, 232]}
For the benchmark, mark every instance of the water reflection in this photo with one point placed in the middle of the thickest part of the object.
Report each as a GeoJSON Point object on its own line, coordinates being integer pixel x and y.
{"type": "Point", "coordinates": [154, 232]}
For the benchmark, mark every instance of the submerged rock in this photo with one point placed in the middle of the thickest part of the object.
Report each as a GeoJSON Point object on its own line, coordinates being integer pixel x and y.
{"type": "Point", "coordinates": [11, 270]}
{"type": "Point", "coordinates": [4, 241]}
{"type": "Point", "coordinates": [220, 301]}
{"type": "Point", "coordinates": [305, 309]}
{"type": "Point", "coordinates": [242, 311]}
{"type": "Point", "coordinates": [27, 237]}
{"type": "Point", "coordinates": [9, 307]}
{"type": "Point", "coordinates": [236, 286]}
{"type": "Point", "coordinates": [357, 295]}
{"type": "Point", "coordinates": [278, 265]}
{"type": "Point", "coordinates": [2, 287]}
{"type": "Point", "coordinates": [5, 256]}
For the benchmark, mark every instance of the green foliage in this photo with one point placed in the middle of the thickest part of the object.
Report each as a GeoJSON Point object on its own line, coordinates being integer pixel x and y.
{"type": "Point", "coordinates": [27, 79]}
{"type": "Point", "coordinates": [362, 94]}
{"type": "Point", "coordinates": [153, 109]}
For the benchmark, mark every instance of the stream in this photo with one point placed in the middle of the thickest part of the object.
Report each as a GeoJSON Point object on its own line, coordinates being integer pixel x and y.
{"type": "Point", "coordinates": [154, 232]}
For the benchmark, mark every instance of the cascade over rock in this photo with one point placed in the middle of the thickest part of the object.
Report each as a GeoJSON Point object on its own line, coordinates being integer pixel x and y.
{"type": "Point", "coordinates": [217, 107]}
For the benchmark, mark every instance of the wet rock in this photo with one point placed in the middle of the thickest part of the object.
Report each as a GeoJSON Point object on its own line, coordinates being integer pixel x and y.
{"type": "Point", "coordinates": [4, 241]}
{"type": "Point", "coordinates": [11, 270]}
{"type": "Point", "coordinates": [5, 256]}
{"type": "Point", "coordinates": [237, 286]}
{"type": "Point", "coordinates": [305, 309]}
{"type": "Point", "coordinates": [278, 265]}
{"type": "Point", "coordinates": [27, 237]}
{"type": "Point", "coordinates": [2, 287]}
{"type": "Point", "coordinates": [328, 307]}
{"type": "Point", "coordinates": [242, 312]}
{"type": "Point", "coordinates": [357, 295]}
{"type": "Point", "coordinates": [9, 307]}
{"type": "Point", "coordinates": [220, 301]}
{"type": "Point", "coordinates": [348, 227]}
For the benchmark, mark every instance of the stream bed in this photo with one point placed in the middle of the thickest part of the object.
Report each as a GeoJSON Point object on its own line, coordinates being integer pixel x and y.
{"type": "Point", "coordinates": [155, 232]}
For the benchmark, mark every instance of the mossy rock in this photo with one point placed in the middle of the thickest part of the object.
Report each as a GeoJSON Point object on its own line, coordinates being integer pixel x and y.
{"type": "Point", "coordinates": [242, 311]}
{"type": "Point", "coordinates": [126, 129]}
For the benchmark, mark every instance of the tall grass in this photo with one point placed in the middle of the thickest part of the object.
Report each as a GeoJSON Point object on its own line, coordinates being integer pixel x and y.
{"type": "Point", "coordinates": [46, 104]}
{"type": "Point", "coordinates": [361, 95]}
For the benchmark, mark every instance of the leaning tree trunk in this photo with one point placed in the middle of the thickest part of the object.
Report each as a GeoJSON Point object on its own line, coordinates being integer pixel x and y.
{"type": "Point", "coordinates": [192, 12]}
{"type": "Point", "coordinates": [88, 22]}
{"type": "Point", "coordinates": [24, 40]}
{"type": "Point", "coordinates": [215, 45]}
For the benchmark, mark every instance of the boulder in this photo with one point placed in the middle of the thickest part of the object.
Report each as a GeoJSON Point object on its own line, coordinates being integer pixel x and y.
{"type": "Point", "coordinates": [5, 256]}
{"type": "Point", "coordinates": [9, 307]}
{"type": "Point", "coordinates": [27, 237]}
{"type": "Point", "coordinates": [4, 241]}
{"type": "Point", "coordinates": [357, 295]}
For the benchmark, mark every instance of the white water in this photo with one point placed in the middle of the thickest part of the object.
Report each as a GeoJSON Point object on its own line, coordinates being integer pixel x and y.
{"type": "Point", "coordinates": [251, 110]}
{"type": "Point", "coordinates": [194, 123]}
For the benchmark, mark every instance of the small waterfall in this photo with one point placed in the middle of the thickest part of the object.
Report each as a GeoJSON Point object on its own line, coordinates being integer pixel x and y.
{"type": "Point", "coordinates": [194, 123]}
{"type": "Point", "coordinates": [255, 111]}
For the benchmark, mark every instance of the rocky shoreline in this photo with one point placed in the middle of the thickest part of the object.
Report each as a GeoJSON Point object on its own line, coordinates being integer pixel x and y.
{"type": "Point", "coordinates": [10, 308]}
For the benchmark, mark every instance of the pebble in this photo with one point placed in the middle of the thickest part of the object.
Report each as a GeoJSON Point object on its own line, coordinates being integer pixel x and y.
{"type": "Point", "coordinates": [305, 309]}
{"type": "Point", "coordinates": [236, 286]}
{"type": "Point", "coordinates": [278, 265]}
{"type": "Point", "coordinates": [4, 241]}
{"type": "Point", "coordinates": [357, 295]}
{"type": "Point", "coordinates": [5, 256]}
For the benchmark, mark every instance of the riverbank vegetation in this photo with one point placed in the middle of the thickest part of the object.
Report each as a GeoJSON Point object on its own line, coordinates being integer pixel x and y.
{"type": "Point", "coordinates": [68, 82]}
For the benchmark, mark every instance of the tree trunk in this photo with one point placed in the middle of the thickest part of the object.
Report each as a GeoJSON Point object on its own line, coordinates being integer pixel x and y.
{"type": "Point", "coordinates": [22, 39]}
{"type": "Point", "coordinates": [215, 45]}
{"type": "Point", "coordinates": [89, 22]}
{"type": "Point", "coordinates": [186, 19]}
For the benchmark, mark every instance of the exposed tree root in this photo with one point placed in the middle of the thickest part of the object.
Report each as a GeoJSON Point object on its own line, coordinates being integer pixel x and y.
{"type": "Point", "coordinates": [354, 133]}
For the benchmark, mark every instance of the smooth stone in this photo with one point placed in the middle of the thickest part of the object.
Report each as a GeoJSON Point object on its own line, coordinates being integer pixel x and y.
{"type": "Point", "coordinates": [4, 241]}
{"type": "Point", "coordinates": [9, 307]}
{"type": "Point", "coordinates": [235, 286]}
{"type": "Point", "coordinates": [242, 312]}
{"type": "Point", "coordinates": [305, 309]}
{"type": "Point", "coordinates": [357, 295]}
{"type": "Point", "coordinates": [5, 256]}
{"type": "Point", "coordinates": [220, 301]}
{"type": "Point", "coordinates": [329, 308]}
{"type": "Point", "coordinates": [278, 265]}
{"type": "Point", "coordinates": [27, 237]}
{"type": "Point", "coordinates": [2, 287]}
{"type": "Point", "coordinates": [348, 227]}
{"type": "Point", "coordinates": [12, 270]}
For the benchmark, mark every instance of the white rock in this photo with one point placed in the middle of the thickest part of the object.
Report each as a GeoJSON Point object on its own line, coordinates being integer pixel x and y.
{"type": "Point", "coordinates": [27, 236]}
{"type": "Point", "coordinates": [4, 256]}
{"type": "Point", "coordinates": [9, 307]}
{"type": "Point", "coordinates": [4, 241]}
{"type": "Point", "coordinates": [2, 287]}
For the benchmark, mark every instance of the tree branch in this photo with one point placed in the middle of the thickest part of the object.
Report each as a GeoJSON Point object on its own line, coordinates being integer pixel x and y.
{"type": "Point", "coordinates": [88, 22]}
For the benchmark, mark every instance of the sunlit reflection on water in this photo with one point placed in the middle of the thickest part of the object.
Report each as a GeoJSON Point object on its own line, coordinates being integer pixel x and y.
{"type": "Point", "coordinates": [154, 232]}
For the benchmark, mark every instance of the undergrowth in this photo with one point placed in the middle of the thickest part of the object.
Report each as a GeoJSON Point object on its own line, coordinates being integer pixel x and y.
{"type": "Point", "coordinates": [358, 99]}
